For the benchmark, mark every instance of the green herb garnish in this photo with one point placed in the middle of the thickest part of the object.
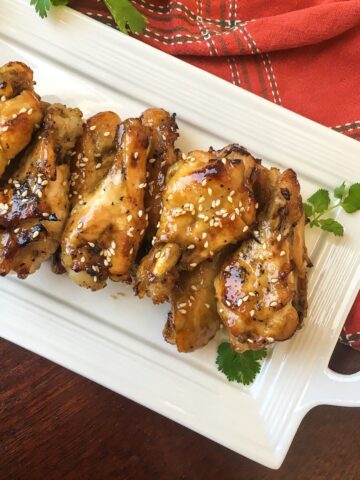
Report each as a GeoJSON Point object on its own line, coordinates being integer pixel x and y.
{"type": "Point", "coordinates": [126, 16]}
{"type": "Point", "coordinates": [239, 367]}
{"type": "Point", "coordinates": [320, 204]}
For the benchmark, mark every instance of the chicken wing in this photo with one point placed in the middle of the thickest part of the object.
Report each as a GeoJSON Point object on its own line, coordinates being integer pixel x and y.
{"type": "Point", "coordinates": [20, 111]}
{"type": "Point", "coordinates": [163, 130]}
{"type": "Point", "coordinates": [34, 202]}
{"type": "Point", "coordinates": [103, 233]}
{"type": "Point", "coordinates": [94, 155]}
{"type": "Point", "coordinates": [261, 288]}
{"type": "Point", "coordinates": [194, 319]}
{"type": "Point", "coordinates": [208, 203]}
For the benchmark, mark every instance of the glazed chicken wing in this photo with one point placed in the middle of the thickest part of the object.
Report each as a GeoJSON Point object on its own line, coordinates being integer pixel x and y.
{"type": "Point", "coordinates": [208, 203]}
{"type": "Point", "coordinates": [194, 320]}
{"type": "Point", "coordinates": [261, 288]}
{"type": "Point", "coordinates": [163, 131]}
{"type": "Point", "coordinates": [34, 202]}
{"type": "Point", "coordinates": [94, 155]}
{"type": "Point", "coordinates": [104, 231]}
{"type": "Point", "coordinates": [20, 111]}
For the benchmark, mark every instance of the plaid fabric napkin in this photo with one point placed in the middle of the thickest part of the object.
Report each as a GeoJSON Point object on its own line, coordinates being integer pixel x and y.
{"type": "Point", "coordinates": [301, 54]}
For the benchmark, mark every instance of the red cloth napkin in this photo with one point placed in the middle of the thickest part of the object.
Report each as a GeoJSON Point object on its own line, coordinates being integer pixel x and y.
{"type": "Point", "coordinates": [302, 54]}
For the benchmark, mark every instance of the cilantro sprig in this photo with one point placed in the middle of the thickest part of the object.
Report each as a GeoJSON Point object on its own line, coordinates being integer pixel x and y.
{"type": "Point", "coordinates": [320, 204]}
{"type": "Point", "coordinates": [239, 367]}
{"type": "Point", "coordinates": [126, 16]}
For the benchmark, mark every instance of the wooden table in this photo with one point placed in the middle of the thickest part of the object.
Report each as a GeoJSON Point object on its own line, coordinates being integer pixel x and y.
{"type": "Point", "coordinates": [57, 425]}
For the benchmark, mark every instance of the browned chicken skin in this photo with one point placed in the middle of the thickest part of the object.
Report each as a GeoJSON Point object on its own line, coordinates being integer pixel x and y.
{"type": "Point", "coordinates": [207, 204]}
{"type": "Point", "coordinates": [20, 111]}
{"type": "Point", "coordinates": [163, 131]}
{"type": "Point", "coordinates": [34, 202]}
{"type": "Point", "coordinates": [104, 231]}
{"type": "Point", "coordinates": [261, 288]}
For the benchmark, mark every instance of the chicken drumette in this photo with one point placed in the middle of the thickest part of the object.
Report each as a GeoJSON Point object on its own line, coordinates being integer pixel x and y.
{"type": "Point", "coordinates": [208, 203]}
{"type": "Point", "coordinates": [20, 111]}
{"type": "Point", "coordinates": [34, 202]}
{"type": "Point", "coordinates": [261, 288]}
{"type": "Point", "coordinates": [108, 222]}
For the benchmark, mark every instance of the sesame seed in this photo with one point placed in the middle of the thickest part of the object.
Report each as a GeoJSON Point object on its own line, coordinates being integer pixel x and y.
{"type": "Point", "coordinates": [278, 238]}
{"type": "Point", "coordinates": [246, 298]}
{"type": "Point", "coordinates": [282, 253]}
{"type": "Point", "coordinates": [203, 235]}
{"type": "Point", "coordinates": [239, 302]}
{"type": "Point", "coordinates": [230, 199]}
{"type": "Point", "coordinates": [204, 182]}
{"type": "Point", "coordinates": [91, 244]}
{"type": "Point", "coordinates": [45, 214]}
{"type": "Point", "coordinates": [274, 280]}
{"type": "Point", "coordinates": [193, 287]}
{"type": "Point", "coordinates": [39, 193]}
{"type": "Point", "coordinates": [82, 259]}
{"type": "Point", "coordinates": [14, 115]}
{"type": "Point", "coordinates": [221, 310]}
{"type": "Point", "coordinates": [252, 313]}
{"type": "Point", "coordinates": [223, 161]}
{"type": "Point", "coordinates": [93, 127]}
{"type": "Point", "coordinates": [95, 279]}
{"type": "Point", "coordinates": [98, 165]}
{"type": "Point", "coordinates": [264, 246]}
{"type": "Point", "coordinates": [191, 246]}
{"type": "Point", "coordinates": [246, 228]}
{"type": "Point", "coordinates": [140, 213]}
{"type": "Point", "coordinates": [80, 225]}
{"type": "Point", "coordinates": [106, 263]}
{"type": "Point", "coordinates": [142, 185]}
{"type": "Point", "coordinates": [256, 205]}
{"type": "Point", "coordinates": [252, 294]}
{"type": "Point", "coordinates": [193, 265]}
{"type": "Point", "coordinates": [210, 191]}
{"type": "Point", "coordinates": [249, 340]}
{"type": "Point", "coordinates": [106, 134]}
{"type": "Point", "coordinates": [131, 251]}
{"type": "Point", "coordinates": [206, 244]}
{"type": "Point", "coordinates": [113, 244]}
{"type": "Point", "coordinates": [44, 183]}
{"type": "Point", "coordinates": [35, 234]}
{"type": "Point", "coordinates": [5, 129]}
{"type": "Point", "coordinates": [3, 98]}
{"type": "Point", "coordinates": [270, 339]}
{"type": "Point", "coordinates": [183, 311]}
{"type": "Point", "coordinates": [207, 305]}
{"type": "Point", "coordinates": [23, 110]}
{"type": "Point", "coordinates": [232, 217]}
{"type": "Point", "coordinates": [24, 193]}
{"type": "Point", "coordinates": [17, 230]}
{"type": "Point", "coordinates": [273, 304]}
{"type": "Point", "coordinates": [30, 111]}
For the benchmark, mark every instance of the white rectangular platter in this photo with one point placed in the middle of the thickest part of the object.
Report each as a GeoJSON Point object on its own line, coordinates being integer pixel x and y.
{"type": "Point", "coordinates": [118, 342]}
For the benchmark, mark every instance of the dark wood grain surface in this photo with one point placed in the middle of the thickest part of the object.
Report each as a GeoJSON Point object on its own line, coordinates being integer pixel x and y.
{"type": "Point", "coordinates": [55, 424]}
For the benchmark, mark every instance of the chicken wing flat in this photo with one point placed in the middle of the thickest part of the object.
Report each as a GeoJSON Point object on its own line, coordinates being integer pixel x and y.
{"type": "Point", "coordinates": [103, 233]}
{"type": "Point", "coordinates": [208, 203]}
{"type": "Point", "coordinates": [94, 155]}
{"type": "Point", "coordinates": [20, 111]}
{"type": "Point", "coordinates": [34, 202]}
{"type": "Point", "coordinates": [194, 319]}
{"type": "Point", "coordinates": [261, 288]}
{"type": "Point", "coordinates": [163, 130]}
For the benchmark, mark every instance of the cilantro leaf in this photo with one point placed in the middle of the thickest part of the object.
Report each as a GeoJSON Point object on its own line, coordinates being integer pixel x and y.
{"type": "Point", "coordinates": [43, 6]}
{"type": "Point", "coordinates": [239, 367]}
{"type": "Point", "coordinates": [125, 14]}
{"type": "Point", "coordinates": [320, 200]}
{"type": "Point", "coordinates": [331, 225]}
{"type": "Point", "coordinates": [351, 203]}
{"type": "Point", "coordinates": [309, 210]}
{"type": "Point", "coordinates": [339, 191]}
